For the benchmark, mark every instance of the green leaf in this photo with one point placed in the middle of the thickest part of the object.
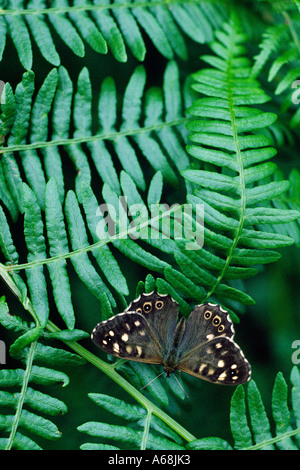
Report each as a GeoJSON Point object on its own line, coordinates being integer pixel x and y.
{"type": "Point", "coordinates": [42, 35]}
{"type": "Point", "coordinates": [58, 246]}
{"type": "Point", "coordinates": [67, 32]}
{"type": "Point", "coordinates": [33, 230]}
{"type": "Point", "coordinates": [103, 255]}
{"type": "Point", "coordinates": [118, 407]}
{"type": "Point", "coordinates": [155, 189]}
{"type": "Point", "coordinates": [281, 411]}
{"type": "Point", "coordinates": [79, 239]}
{"type": "Point", "coordinates": [110, 32]}
{"type": "Point", "coordinates": [209, 443]}
{"type": "Point", "coordinates": [89, 30]}
{"type": "Point", "coordinates": [27, 338]}
{"type": "Point", "coordinates": [154, 30]}
{"type": "Point", "coordinates": [238, 420]}
{"type": "Point", "coordinates": [259, 420]}
{"type": "Point", "coordinates": [11, 322]}
{"type": "Point", "coordinates": [132, 437]}
{"type": "Point", "coordinates": [20, 36]}
{"type": "Point", "coordinates": [6, 242]}
{"type": "Point", "coordinates": [69, 335]}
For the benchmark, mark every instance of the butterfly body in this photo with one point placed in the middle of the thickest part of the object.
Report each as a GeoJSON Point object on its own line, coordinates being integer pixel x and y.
{"type": "Point", "coordinates": [202, 346]}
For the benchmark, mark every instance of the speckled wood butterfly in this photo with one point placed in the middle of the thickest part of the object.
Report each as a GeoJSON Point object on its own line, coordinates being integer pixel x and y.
{"type": "Point", "coordinates": [202, 346]}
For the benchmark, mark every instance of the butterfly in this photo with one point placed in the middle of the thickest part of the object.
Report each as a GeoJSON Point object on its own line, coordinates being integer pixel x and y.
{"type": "Point", "coordinates": [148, 331]}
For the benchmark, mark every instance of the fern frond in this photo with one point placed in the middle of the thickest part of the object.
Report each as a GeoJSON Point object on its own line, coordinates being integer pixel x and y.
{"type": "Point", "coordinates": [280, 52]}
{"type": "Point", "coordinates": [235, 183]}
{"type": "Point", "coordinates": [104, 26]}
{"type": "Point", "coordinates": [158, 136]}
{"type": "Point", "coordinates": [159, 436]}
{"type": "Point", "coordinates": [24, 406]}
{"type": "Point", "coordinates": [258, 434]}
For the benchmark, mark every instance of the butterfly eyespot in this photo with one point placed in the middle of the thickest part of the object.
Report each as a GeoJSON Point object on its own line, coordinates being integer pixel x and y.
{"type": "Point", "coordinates": [147, 307]}
{"type": "Point", "coordinates": [207, 314]}
{"type": "Point", "coordinates": [139, 310]}
{"type": "Point", "coordinates": [216, 320]}
{"type": "Point", "coordinates": [221, 328]}
{"type": "Point", "coordinates": [159, 304]}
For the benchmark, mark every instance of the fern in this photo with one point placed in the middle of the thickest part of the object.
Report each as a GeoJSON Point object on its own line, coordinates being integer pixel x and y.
{"type": "Point", "coordinates": [286, 419]}
{"type": "Point", "coordinates": [27, 349]}
{"type": "Point", "coordinates": [234, 190]}
{"type": "Point", "coordinates": [159, 436]}
{"type": "Point", "coordinates": [71, 147]}
{"type": "Point", "coordinates": [284, 68]}
{"type": "Point", "coordinates": [105, 26]}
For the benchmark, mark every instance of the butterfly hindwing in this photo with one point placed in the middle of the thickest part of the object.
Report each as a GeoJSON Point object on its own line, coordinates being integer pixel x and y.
{"type": "Point", "coordinates": [129, 336]}
{"type": "Point", "coordinates": [219, 360]}
{"type": "Point", "coordinates": [207, 349]}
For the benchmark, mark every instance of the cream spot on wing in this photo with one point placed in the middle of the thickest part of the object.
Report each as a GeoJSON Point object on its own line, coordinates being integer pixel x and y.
{"type": "Point", "coordinates": [142, 332]}
{"type": "Point", "coordinates": [111, 333]}
{"type": "Point", "coordinates": [137, 323]}
{"type": "Point", "coordinates": [222, 376]}
{"type": "Point", "coordinates": [202, 367]}
{"type": "Point", "coordinates": [218, 345]}
{"type": "Point", "coordinates": [116, 347]}
{"type": "Point", "coordinates": [104, 341]}
{"type": "Point", "coordinates": [139, 351]}
{"type": "Point", "coordinates": [124, 337]}
{"type": "Point", "coordinates": [234, 366]}
{"type": "Point", "coordinates": [221, 363]}
{"type": "Point", "coordinates": [209, 337]}
{"type": "Point", "coordinates": [129, 349]}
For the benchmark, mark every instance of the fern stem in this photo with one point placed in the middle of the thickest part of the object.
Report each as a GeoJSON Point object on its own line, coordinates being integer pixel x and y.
{"type": "Point", "coordinates": [8, 279]}
{"type": "Point", "coordinates": [85, 249]}
{"type": "Point", "coordinates": [268, 442]}
{"type": "Point", "coordinates": [292, 30]}
{"type": "Point", "coordinates": [146, 430]}
{"type": "Point", "coordinates": [18, 414]}
{"type": "Point", "coordinates": [110, 371]}
{"type": "Point", "coordinates": [80, 8]}
{"type": "Point", "coordinates": [239, 157]}
{"type": "Point", "coordinates": [94, 138]}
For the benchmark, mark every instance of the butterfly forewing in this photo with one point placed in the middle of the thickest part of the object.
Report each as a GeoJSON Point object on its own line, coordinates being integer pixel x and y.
{"type": "Point", "coordinates": [161, 313]}
{"type": "Point", "coordinates": [142, 333]}
{"type": "Point", "coordinates": [129, 336]}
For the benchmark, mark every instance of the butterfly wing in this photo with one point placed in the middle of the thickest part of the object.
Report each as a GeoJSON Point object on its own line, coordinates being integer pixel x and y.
{"type": "Point", "coordinates": [160, 312]}
{"type": "Point", "coordinates": [207, 349]}
{"type": "Point", "coordinates": [143, 332]}
{"type": "Point", "coordinates": [129, 336]}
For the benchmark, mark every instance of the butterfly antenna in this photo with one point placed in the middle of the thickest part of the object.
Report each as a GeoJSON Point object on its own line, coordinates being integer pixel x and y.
{"type": "Point", "coordinates": [152, 380]}
{"type": "Point", "coordinates": [181, 387]}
